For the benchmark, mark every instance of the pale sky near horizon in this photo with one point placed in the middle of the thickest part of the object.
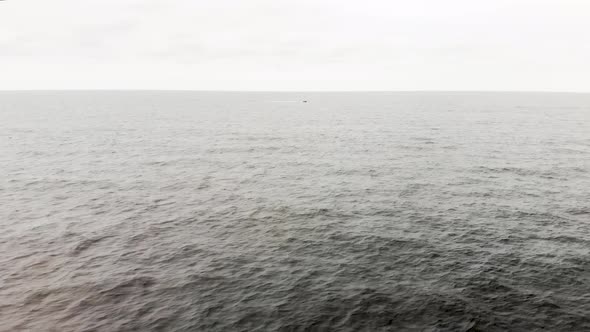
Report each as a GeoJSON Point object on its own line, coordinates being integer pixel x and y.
{"type": "Point", "coordinates": [502, 45]}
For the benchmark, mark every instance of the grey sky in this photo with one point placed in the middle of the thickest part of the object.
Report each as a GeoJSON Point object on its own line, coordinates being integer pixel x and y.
{"type": "Point", "coordinates": [296, 45]}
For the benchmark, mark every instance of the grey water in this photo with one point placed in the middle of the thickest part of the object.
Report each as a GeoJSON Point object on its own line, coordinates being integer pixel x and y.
{"type": "Point", "coordinates": [227, 211]}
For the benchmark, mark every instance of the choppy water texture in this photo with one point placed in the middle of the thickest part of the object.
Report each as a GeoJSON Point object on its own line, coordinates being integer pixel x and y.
{"type": "Point", "coordinates": [184, 211]}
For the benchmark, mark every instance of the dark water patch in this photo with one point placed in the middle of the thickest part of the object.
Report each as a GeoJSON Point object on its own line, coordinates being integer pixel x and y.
{"type": "Point", "coordinates": [582, 211]}
{"type": "Point", "coordinates": [87, 243]}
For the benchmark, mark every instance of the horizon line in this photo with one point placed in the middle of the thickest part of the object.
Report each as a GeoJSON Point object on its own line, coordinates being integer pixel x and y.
{"type": "Point", "coordinates": [292, 91]}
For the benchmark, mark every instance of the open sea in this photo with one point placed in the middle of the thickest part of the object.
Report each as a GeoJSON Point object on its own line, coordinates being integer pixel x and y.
{"type": "Point", "coordinates": [231, 211]}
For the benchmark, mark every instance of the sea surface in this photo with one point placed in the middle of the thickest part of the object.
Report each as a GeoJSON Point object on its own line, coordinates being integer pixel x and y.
{"type": "Point", "coordinates": [219, 211]}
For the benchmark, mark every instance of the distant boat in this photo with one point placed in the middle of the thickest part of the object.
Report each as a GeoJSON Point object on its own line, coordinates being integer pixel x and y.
{"type": "Point", "coordinates": [305, 101]}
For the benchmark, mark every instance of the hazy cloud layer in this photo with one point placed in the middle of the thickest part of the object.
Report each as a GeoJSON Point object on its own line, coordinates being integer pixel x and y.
{"type": "Point", "coordinates": [304, 45]}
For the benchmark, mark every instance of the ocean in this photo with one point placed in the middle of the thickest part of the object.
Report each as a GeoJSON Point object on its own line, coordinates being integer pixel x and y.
{"type": "Point", "coordinates": [257, 211]}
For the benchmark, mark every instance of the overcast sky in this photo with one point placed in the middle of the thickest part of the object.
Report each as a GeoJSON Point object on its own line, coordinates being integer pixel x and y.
{"type": "Point", "coordinates": [296, 44]}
